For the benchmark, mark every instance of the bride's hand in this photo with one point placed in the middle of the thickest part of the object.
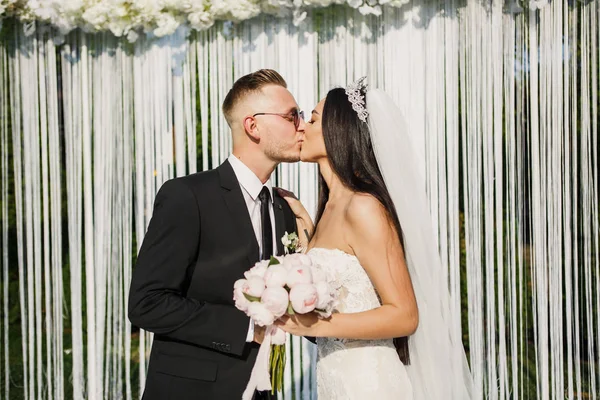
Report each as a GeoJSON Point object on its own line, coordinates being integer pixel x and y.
{"type": "Point", "coordinates": [300, 324]}
{"type": "Point", "coordinates": [303, 220]}
{"type": "Point", "coordinates": [295, 204]}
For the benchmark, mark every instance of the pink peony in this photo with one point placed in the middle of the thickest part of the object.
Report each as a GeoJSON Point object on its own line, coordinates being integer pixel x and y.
{"type": "Point", "coordinates": [254, 286]}
{"type": "Point", "coordinates": [297, 260]}
{"type": "Point", "coordinates": [327, 299]}
{"type": "Point", "coordinates": [259, 270]}
{"type": "Point", "coordinates": [303, 297]}
{"type": "Point", "coordinates": [260, 314]}
{"type": "Point", "coordinates": [276, 300]}
{"type": "Point", "coordinates": [298, 275]}
{"type": "Point", "coordinates": [324, 295]}
{"type": "Point", "coordinates": [276, 276]}
{"type": "Point", "coordinates": [241, 302]}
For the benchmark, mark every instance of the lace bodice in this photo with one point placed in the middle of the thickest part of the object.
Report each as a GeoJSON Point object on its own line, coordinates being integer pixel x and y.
{"type": "Point", "coordinates": [356, 369]}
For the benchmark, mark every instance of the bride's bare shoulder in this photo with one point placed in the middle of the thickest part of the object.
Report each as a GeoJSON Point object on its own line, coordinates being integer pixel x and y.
{"type": "Point", "coordinates": [365, 213]}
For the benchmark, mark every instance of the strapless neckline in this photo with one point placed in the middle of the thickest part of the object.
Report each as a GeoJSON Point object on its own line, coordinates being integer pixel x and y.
{"type": "Point", "coordinates": [331, 250]}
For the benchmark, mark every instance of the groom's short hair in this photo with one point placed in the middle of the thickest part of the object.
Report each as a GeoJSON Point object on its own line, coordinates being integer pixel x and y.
{"type": "Point", "coordinates": [248, 84]}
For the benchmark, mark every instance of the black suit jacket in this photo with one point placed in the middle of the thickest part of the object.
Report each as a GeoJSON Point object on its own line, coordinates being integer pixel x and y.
{"type": "Point", "coordinates": [199, 241]}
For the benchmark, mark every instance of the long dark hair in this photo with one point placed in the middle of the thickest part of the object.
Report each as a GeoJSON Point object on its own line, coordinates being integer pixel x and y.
{"type": "Point", "coordinates": [350, 152]}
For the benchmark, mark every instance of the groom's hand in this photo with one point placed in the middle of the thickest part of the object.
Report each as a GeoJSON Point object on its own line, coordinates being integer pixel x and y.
{"type": "Point", "coordinates": [259, 333]}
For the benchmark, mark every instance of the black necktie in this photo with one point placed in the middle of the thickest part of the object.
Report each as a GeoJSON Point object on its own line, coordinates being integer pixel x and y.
{"type": "Point", "coordinates": [267, 229]}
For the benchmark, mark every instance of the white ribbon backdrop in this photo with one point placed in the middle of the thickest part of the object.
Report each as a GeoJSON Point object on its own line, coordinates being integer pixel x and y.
{"type": "Point", "coordinates": [503, 102]}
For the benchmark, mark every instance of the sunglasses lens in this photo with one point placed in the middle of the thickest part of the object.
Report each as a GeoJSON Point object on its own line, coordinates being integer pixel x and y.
{"type": "Point", "coordinates": [297, 115]}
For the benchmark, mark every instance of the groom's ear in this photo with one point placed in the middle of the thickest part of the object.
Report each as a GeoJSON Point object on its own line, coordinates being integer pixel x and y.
{"type": "Point", "coordinates": [251, 128]}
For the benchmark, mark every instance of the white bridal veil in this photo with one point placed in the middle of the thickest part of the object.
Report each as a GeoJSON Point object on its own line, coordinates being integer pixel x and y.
{"type": "Point", "coordinates": [439, 368]}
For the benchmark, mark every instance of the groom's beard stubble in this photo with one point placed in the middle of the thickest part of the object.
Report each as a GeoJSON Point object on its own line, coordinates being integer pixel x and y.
{"type": "Point", "coordinates": [282, 156]}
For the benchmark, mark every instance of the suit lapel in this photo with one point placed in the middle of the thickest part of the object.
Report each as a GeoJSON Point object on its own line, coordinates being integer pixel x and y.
{"type": "Point", "coordinates": [279, 221]}
{"type": "Point", "coordinates": [234, 199]}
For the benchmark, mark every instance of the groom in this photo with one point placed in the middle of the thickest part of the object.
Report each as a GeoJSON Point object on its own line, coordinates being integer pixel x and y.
{"type": "Point", "coordinates": [206, 230]}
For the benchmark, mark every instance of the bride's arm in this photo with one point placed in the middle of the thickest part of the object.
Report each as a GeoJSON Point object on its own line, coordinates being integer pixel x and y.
{"type": "Point", "coordinates": [377, 247]}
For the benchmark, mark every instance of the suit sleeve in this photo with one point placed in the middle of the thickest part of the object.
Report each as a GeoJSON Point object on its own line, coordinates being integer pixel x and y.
{"type": "Point", "coordinates": [157, 301]}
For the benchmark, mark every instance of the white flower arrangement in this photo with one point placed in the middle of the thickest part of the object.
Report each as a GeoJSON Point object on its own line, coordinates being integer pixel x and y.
{"type": "Point", "coordinates": [291, 243]}
{"type": "Point", "coordinates": [162, 17]}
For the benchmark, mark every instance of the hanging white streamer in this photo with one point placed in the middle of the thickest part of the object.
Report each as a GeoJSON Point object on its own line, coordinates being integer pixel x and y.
{"type": "Point", "coordinates": [4, 171]}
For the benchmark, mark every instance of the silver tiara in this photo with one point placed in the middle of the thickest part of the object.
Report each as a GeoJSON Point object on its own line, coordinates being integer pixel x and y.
{"type": "Point", "coordinates": [353, 91]}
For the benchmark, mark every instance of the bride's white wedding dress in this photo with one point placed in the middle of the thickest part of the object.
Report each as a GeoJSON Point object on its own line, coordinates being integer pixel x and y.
{"type": "Point", "coordinates": [356, 369]}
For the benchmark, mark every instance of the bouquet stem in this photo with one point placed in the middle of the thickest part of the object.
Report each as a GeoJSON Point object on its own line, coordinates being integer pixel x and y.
{"type": "Point", "coordinates": [277, 362]}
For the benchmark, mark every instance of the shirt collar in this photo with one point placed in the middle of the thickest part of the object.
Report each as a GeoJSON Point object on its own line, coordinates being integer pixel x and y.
{"type": "Point", "coordinates": [248, 179]}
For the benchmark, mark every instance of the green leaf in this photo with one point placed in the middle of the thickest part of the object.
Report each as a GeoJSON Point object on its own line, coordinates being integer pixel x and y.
{"type": "Point", "coordinates": [273, 261]}
{"type": "Point", "coordinates": [251, 298]}
{"type": "Point", "coordinates": [290, 309]}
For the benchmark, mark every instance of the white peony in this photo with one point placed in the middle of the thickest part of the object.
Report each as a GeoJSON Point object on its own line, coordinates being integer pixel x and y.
{"type": "Point", "coordinates": [166, 24]}
{"type": "Point", "coordinates": [297, 260]}
{"type": "Point", "coordinates": [118, 28]}
{"type": "Point", "coordinates": [176, 4]}
{"type": "Point", "coordinates": [240, 10]}
{"type": "Point", "coordinates": [254, 286]}
{"type": "Point", "coordinates": [367, 10]}
{"type": "Point", "coordinates": [201, 20]}
{"type": "Point", "coordinates": [276, 299]}
{"type": "Point", "coordinates": [324, 295]}
{"type": "Point", "coordinates": [241, 302]}
{"type": "Point", "coordinates": [147, 7]}
{"type": "Point", "coordinates": [259, 269]}
{"type": "Point", "coordinates": [119, 11]}
{"type": "Point", "coordinates": [276, 276]}
{"type": "Point", "coordinates": [64, 24]}
{"type": "Point", "coordinates": [44, 10]}
{"type": "Point", "coordinates": [299, 17]}
{"type": "Point", "coordinates": [260, 314]}
{"type": "Point", "coordinates": [298, 275]}
{"type": "Point", "coordinates": [132, 36]}
{"type": "Point", "coordinates": [96, 16]}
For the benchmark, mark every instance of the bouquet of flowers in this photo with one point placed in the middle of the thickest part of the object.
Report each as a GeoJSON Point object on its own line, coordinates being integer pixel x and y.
{"type": "Point", "coordinates": [286, 284]}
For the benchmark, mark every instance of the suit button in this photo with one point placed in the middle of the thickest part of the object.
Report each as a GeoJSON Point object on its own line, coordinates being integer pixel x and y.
{"type": "Point", "coordinates": [227, 348]}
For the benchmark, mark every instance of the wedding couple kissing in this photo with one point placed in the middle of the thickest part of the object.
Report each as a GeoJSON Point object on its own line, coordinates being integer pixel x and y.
{"type": "Point", "coordinates": [392, 333]}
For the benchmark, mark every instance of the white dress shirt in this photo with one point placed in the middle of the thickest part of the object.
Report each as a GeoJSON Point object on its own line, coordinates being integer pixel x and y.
{"type": "Point", "coordinates": [251, 187]}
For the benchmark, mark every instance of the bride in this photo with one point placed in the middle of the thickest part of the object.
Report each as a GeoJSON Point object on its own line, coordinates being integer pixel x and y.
{"type": "Point", "coordinates": [392, 334]}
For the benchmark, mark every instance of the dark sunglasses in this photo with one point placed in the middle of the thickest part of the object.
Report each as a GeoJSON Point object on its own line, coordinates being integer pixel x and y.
{"type": "Point", "coordinates": [293, 116]}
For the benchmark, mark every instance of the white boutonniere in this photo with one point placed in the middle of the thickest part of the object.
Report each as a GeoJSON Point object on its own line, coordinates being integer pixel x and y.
{"type": "Point", "coordinates": [291, 243]}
